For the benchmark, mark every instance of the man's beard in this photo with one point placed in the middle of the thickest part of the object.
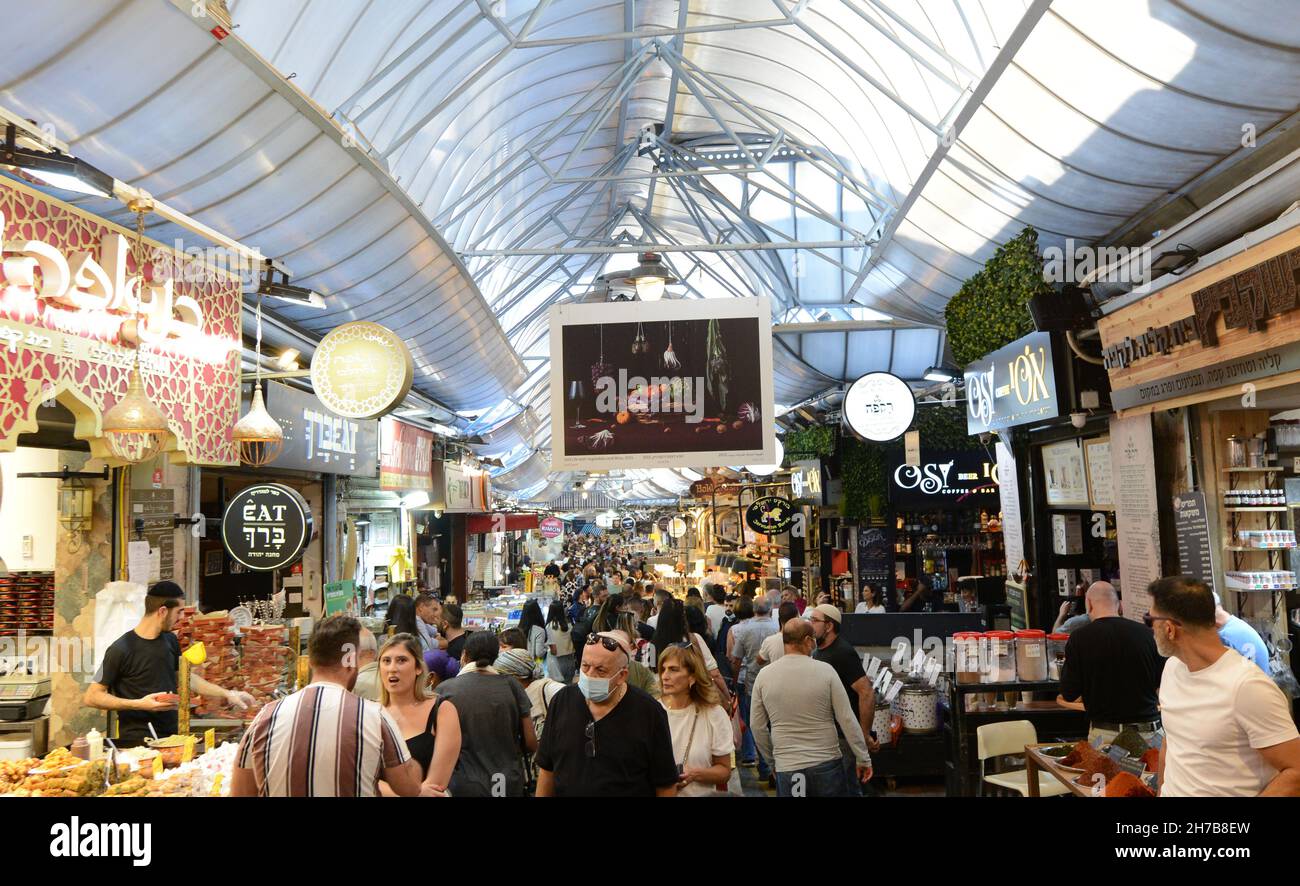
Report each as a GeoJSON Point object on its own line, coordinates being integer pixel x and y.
{"type": "Point", "coordinates": [1164, 647]}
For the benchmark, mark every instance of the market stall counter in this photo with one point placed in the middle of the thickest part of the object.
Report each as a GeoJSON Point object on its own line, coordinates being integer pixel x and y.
{"type": "Point", "coordinates": [972, 705]}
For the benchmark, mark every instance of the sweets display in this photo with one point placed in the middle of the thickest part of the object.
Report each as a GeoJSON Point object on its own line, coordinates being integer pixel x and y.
{"type": "Point", "coordinates": [26, 603]}
{"type": "Point", "coordinates": [60, 774]}
{"type": "Point", "coordinates": [256, 663]}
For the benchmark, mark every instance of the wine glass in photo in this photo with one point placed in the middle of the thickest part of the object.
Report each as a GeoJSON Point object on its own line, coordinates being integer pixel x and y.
{"type": "Point", "coordinates": [577, 393]}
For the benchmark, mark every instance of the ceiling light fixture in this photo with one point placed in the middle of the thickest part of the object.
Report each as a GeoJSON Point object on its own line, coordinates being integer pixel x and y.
{"type": "Point", "coordinates": [650, 277]}
{"type": "Point", "coordinates": [55, 168]}
{"type": "Point", "coordinates": [940, 374]}
{"type": "Point", "coordinates": [258, 435]}
{"type": "Point", "coordinates": [288, 361]}
{"type": "Point", "coordinates": [275, 284]}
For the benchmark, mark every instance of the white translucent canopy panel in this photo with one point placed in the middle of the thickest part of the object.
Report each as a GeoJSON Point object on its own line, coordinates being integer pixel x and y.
{"type": "Point", "coordinates": [870, 351]}
{"type": "Point", "coordinates": [915, 351]}
{"type": "Point", "coordinates": [795, 380]}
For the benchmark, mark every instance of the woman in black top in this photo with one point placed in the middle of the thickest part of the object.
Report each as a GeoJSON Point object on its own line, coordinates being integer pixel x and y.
{"type": "Point", "coordinates": [401, 616]}
{"type": "Point", "coordinates": [429, 724]}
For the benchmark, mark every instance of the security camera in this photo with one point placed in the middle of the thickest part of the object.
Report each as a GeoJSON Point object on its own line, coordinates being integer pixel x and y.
{"type": "Point", "coordinates": [1078, 419]}
{"type": "Point", "coordinates": [986, 438]}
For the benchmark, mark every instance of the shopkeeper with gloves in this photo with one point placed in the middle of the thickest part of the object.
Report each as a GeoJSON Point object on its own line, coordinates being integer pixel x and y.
{"type": "Point", "coordinates": [138, 675]}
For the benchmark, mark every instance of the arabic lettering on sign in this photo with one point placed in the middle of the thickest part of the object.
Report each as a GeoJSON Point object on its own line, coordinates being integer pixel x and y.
{"type": "Point", "coordinates": [98, 287]}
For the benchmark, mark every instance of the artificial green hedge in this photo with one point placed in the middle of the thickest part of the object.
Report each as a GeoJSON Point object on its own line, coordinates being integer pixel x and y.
{"type": "Point", "coordinates": [991, 308]}
{"type": "Point", "coordinates": [815, 442]}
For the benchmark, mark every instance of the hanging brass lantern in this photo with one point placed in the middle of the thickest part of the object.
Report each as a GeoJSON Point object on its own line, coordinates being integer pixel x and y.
{"type": "Point", "coordinates": [258, 435]}
{"type": "Point", "coordinates": [134, 428]}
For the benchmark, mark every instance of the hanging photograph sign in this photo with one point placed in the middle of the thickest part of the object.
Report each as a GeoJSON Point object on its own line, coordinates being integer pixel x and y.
{"type": "Point", "coordinates": [362, 370]}
{"type": "Point", "coordinates": [266, 527]}
{"type": "Point", "coordinates": [879, 407]}
{"type": "Point", "coordinates": [666, 384]}
{"type": "Point", "coordinates": [770, 515]}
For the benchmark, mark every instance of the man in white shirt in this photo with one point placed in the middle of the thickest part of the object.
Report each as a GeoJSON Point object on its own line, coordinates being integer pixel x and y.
{"type": "Point", "coordinates": [1228, 728]}
{"type": "Point", "coordinates": [717, 610]}
{"type": "Point", "coordinates": [803, 700]}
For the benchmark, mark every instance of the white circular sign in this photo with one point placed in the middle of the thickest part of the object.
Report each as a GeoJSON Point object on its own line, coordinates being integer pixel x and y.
{"type": "Point", "coordinates": [677, 527]}
{"type": "Point", "coordinates": [879, 407]}
{"type": "Point", "coordinates": [769, 470]}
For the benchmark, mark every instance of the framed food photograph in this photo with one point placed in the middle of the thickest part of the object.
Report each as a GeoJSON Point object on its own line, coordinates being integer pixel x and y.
{"type": "Point", "coordinates": [1064, 474]}
{"type": "Point", "coordinates": [668, 384]}
{"type": "Point", "coordinates": [1101, 488]}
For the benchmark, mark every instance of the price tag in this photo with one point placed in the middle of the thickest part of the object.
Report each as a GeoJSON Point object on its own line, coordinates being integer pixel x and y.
{"type": "Point", "coordinates": [893, 693]}
{"type": "Point", "coordinates": [187, 752]}
{"type": "Point", "coordinates": [216, 785]}
{"type": "Point", "coordinates": [209, 740]}
{"type": "Point", "coordinates": [873, 667]}
{"type": "Point", "coordinates": [157, 766]}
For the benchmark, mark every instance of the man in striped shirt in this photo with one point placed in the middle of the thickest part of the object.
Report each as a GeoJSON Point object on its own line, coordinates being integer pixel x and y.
{"type": "Point", "coordinates": [323, 741]}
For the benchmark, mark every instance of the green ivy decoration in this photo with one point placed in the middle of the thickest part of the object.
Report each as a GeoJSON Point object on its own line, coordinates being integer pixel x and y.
{"type": "Point", "coordinates": [991, 309]}
{"type": "Point", "coordinates": [814, 442]}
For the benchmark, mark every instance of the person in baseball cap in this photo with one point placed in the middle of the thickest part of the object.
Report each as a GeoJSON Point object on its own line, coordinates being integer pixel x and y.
{"type": "Point", "coordinates": [137, 678]}
{"type": "Point", "coordinates": [840, 654]}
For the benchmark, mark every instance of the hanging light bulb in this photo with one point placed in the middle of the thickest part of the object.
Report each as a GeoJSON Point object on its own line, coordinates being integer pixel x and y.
{"type": "Point", "coordinates": [135, 429]}
{"type": "Point", "coordinates": [258, 435]}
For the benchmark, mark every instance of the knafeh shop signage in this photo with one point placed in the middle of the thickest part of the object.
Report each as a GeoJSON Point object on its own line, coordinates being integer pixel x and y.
{"type": "Point", "coordinates": [1012, 386]}
{"type": "Point", "coordinates": [1204, 336]}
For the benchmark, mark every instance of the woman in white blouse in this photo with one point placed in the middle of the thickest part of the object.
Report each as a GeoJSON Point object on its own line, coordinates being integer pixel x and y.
{"type": "Point", "coordinates": [703, 742]}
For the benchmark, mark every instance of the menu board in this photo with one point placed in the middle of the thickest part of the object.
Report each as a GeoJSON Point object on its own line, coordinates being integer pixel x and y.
{"type": "Point", "coordinates": [1013, 536]}
{"type": "Point", "coordinates": [876, 558]}
{"type": "Point", "coordinates": [1133, 469]}
{"type": "Point", "coordinates": [1193, 530]}
{"type": "Point", "coordinates": [155, 508]}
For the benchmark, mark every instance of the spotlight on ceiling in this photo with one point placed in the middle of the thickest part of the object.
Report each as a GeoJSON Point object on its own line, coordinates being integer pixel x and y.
{"type": "Point", "coordinates": [940, 374]}
{"type": "Point", "coordinates": [288, 361]}
{"type": "Point", "coordinates": [275, 284]}
{"type": "Point", "coordinates": [55, 168]}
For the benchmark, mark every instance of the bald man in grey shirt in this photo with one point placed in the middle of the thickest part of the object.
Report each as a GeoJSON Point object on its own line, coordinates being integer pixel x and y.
{"type": "Point", "coordinates": [802, 700]}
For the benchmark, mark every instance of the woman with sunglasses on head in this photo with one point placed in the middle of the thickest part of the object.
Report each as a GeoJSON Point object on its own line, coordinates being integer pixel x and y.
{"type": "Point", "coordinates": [703, 742]}
{"type": "Point", "coordinates": [674, 629]}
{"type": "Point", "coordinates": [430, 726]}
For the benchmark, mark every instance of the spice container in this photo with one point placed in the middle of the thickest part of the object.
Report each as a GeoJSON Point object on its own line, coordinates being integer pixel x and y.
{"type": "Point", "coordinates": [967, 648]}
{"type": "Point", "coordinates": [919, 707]}
{"type": "Point", "coordinates": [1056, 655]}
{"type": "Point", "coordinates": [1236, 452]}
{"type": "Point", "coordinates": [999, 657]}
{"type": "Point", "coordinates": [1031, 656]}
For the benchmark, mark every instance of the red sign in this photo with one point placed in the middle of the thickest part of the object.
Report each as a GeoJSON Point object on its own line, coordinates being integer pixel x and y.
{"type": "Point", "coordinates": [552, 527]}
{"type": "Point", "coordinates": [405, 457]}
{"type": "Point", "coordinates": [480, 524]}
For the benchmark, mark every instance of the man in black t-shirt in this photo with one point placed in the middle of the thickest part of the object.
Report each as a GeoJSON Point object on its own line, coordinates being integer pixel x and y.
{"type": "Point", "coordinates": [839, 654]}
{"type": "Point", "coordinates": [137, 677]}
{"type": "Point", "coordinates": [604, 738]}
{"type": "Point", "coordinates": [1112, 668]}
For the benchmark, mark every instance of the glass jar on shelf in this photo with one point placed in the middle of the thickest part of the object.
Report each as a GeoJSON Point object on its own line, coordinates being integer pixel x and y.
{"type": "Point", "coordinates": [999, 657]}
{"type": "Point", "coordinates": [1031, 656]}
{"type": "Point", "coordinates": [1056, 655]}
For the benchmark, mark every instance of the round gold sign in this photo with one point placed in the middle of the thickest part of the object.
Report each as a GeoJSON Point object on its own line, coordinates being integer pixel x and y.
{"type": "Point", "coordinates": [362, 370]}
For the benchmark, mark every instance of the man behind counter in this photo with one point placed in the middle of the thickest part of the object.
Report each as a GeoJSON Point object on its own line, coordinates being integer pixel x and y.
{"type": "Point", "coordinates": [138, 675]}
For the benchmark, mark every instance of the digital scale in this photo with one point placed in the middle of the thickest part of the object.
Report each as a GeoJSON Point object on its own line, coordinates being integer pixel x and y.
{"type": "Point", "coordinates": [23, 696]}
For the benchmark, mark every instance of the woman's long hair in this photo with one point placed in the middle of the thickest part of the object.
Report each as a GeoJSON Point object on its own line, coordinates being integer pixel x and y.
{"type": "Point", "coordinates": [412, 646]}
{"type": "Point", "coordinates": [401, 615]}
{"type": "Point", "coordinates": [698, 622]}
{"type": "Point", "coordinates": [671, 627]}
{"type": "Point", "coordinates": [703, 692]}
{"type": "Point", "coordinates": [556, 618]}
{"type": "Point", "coordinates": [531, 618]}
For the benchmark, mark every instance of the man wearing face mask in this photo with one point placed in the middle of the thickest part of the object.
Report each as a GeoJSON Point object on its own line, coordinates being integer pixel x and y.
{"type": "Point", "coordinates": [603, 737]}
{"type": "Point", "coordinates": [804, 701]}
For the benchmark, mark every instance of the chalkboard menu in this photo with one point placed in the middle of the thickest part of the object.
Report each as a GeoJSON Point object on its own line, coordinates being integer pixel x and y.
{"type": "Point", "coordinates": [876, 558]}
{"type": "Point", "coordinates": [1193, 532]}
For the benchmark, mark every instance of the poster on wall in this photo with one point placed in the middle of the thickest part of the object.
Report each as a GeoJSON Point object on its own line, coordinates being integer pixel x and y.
{"type": "Point", "coordinates": [1064, 474]}
{"type": "Point", "coordinates": [1013, 537]}
{"type": "Point", "coordinates": [1134, 472]}
{"type": "Point", "coordinates": [1101, 485]}
{"type": "Point", "coordinates": [664, 384]}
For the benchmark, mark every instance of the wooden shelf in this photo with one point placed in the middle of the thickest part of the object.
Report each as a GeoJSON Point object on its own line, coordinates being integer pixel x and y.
{"type": "Point", "coordinates": [1257, 510]}
{"type": "Point", "coordinates": [1242, 549]}
{"type": "Point", "coordinates": [1253, 470]}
